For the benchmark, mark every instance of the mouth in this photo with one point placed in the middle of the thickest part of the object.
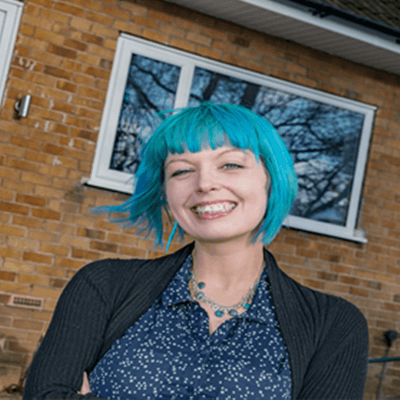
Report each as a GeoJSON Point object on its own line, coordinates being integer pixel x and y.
{"type": "Point", "coordinates": [214, 208]}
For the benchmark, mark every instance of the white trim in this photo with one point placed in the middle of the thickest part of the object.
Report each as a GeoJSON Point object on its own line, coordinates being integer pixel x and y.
{"type": "Point", "coordinates": [327, 24]}
{"type": "Point", "coordinates": [292, 21]}
{"type": "Point", "coordinates": [103, 176]}
{"type": "Point", "coordinates": [13, 12]}
{"type": "Point", "coordinates": [359, 171]}
{"type": "Point", "coordinates": [304, 224]}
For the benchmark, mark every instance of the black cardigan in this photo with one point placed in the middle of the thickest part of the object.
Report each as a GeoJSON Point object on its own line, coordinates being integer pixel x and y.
{"type": "Point", "coordinates": [326, 336]}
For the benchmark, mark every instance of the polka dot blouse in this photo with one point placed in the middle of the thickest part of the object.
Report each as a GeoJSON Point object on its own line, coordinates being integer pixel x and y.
{"type": "Point", "coordinates": [169, 353]}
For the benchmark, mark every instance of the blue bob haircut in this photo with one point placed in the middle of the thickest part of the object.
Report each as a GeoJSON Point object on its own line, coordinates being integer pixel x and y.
{"type": "Point", "coordinates": [197, 128]}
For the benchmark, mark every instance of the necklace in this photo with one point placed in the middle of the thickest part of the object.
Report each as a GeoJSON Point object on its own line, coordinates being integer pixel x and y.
{"type": "Point", "coordinates": [219, 310]}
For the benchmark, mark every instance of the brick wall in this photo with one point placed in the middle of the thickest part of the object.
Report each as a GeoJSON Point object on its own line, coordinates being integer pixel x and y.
{"type": "Point", "coordinates": [63, 58]}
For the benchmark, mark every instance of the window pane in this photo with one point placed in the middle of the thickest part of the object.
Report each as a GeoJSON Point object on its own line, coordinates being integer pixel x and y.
{"type": "Point", "coordinates": [150, 87]}
{"type": "Point", "coordinates": [322, 139]}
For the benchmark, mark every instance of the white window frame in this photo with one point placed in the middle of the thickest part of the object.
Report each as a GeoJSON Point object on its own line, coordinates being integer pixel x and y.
{"type": "Point", "coordinates": [103, 176]}
{"type": "Point", "coordinates": [10, 14]}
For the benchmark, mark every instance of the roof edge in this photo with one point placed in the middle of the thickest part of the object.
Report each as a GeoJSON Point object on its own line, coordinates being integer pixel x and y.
{"type": "Point", "coordinates": [324, 10]}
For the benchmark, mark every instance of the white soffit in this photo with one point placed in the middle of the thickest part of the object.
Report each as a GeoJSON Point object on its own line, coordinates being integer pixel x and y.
{"type": "Point", "coordinates": [329, 34]}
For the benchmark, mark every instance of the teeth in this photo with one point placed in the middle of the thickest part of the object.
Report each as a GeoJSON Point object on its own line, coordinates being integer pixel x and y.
{"type": "Point", "coordinates": [213, 208]}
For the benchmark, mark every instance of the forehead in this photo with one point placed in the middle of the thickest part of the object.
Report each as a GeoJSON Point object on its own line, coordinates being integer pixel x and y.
{"type": "Point", "coordinates": [207, 153]}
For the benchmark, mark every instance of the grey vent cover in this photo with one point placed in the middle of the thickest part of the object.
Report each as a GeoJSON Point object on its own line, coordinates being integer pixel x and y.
{"type": "Point", "coordinates": [25, 301]}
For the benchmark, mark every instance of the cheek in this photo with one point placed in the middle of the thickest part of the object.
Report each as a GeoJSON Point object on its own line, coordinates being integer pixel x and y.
{"type": "Point", "coordinates": [175, 195]}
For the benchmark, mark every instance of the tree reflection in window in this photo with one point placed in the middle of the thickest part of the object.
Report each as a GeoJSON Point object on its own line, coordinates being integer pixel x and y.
{"type": "Point", "coordinates": [150, 88]}
{"type": "Point", "coordinates": [322, 139]}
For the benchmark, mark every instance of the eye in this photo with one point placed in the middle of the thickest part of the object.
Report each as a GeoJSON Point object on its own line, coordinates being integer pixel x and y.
{"type": "Point", "coordinates": [180, 172]}
{"type": "Point", "coordinates": [232, 166]}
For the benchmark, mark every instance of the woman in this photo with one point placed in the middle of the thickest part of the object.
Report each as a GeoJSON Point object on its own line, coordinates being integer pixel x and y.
{"type": "Point", "coordinates": [218, 319]}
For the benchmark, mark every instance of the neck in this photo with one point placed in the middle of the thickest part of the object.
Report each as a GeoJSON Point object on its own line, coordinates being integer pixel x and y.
{"type": "Point", "coordinates": [227, 266]}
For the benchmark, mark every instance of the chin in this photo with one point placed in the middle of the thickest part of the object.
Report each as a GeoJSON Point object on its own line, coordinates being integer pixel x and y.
{"type": "Point", "coordinates": [222, 239]}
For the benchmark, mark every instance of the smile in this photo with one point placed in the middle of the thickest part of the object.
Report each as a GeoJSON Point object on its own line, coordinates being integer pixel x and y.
{"type": "Point", "coordinates": [214, 208]}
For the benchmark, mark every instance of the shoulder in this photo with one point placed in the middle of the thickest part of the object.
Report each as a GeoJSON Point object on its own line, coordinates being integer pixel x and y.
{"type": "Point", "coordinates": [324, 334]}
{"type": "Point", "coordinates": [107, 272]}
{"type": "Point", "coordinates": [320, 313]}
{"type": "Point", "coordinates": [116, 277]}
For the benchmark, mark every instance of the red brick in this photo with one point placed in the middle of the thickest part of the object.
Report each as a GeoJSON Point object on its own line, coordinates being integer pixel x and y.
{"type": "Point", "coordinates": [98, 40]}
{"type": "Point", "coordinates": [104, 246]}
{"type": "Point", "coordinates": [156, 36]}
{"type": "Point", "coordinates": [84, 134]}
{"type": "Point", "coordinates": [75, 44]}
{"type": "Point", "coordinates": [391, 307]}
{"type": "Point", "coordinates": [85, 254]}
{"type": "Point", "coordinates": [49, 36]}
{"type": "Point", "coordinates": [133, 251]}
{"type": "Point", "coordinates": [101, 30]}
{"type": "Point", "coordinates": [99, 18]}
{"type": "Point", "coordinates": [13, 208]}
{"type": "Point", "coordinates": [32, 200]}
{"type": "Point", "coordinates": [36, 257]}
{"type": "Point", "coordinates": [67, 86]}
{"type": "Point", "coordinates": [64, 107]}
{"type": "Point", "coordinates": [38, 157]}
{"type": "Point", "coordinates": [172, 30]}
{"type": "Point", "coordinates": [54, 249]}
{"type": "Point", "coordinates": [225, 47]}
{"type": "Point", "coordinates": [58, 283]}
{"type": "Point", "coordinates": [359, 291]}
{"type": "Point", "coordinates": [53, 149]}
{"type": "Point", "coordinates": [68, 9]}
{"type": "Point", "coordinates": [92, 93]}
{"type": "Point", "coordinates": [82, 79]}
{"type": "Point", "coordinates": [133, 8]}
{"type": "Point", "coordinates": [62, 51]}
{"type": "Point", "coordinates": [350, 280]}
{"type": "Point", "coordinates": [97, 72]}
{"type": "Point", "coordinates": [116, 12]}
{"type": "Point", "coordinates": [46, 114]}
{"type": "Point", "coordinates": [7, 194]}
{"type": "Point", "coordinates": [4, 299]}
{"type": "Point", "coordinates": [46, 214]}
{"type": "Point", "coordinates": [80, 122]}
{"type": "Point", "coordinates": [91, 233]}
{"type": "Point", "coordinates": [69, 263]}
{"type": "Point", "coordinates": [27, 324]}
{"type": "Point", "coordinates": [7, 276]}
{"type": "Point", "coordinates": [52, 171]}
{"type": "Point", "coordinates": [61, 73]}
{"type": "Point", "coordinates": [28, 222]}
{"type": "Point", "coordinates": [46, 292]}
{"type": "Point", "coordinates": [33, 279]}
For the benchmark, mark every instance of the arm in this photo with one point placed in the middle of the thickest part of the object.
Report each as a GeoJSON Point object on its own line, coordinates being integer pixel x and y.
{"type": "Point", "coordinates": [338, 369]}
{"type": "Point", "coordinates": [73, 340]}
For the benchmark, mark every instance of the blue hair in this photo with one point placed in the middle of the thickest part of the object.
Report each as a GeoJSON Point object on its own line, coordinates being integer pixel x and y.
{"type": "Point", "coordinates": [197, 128]}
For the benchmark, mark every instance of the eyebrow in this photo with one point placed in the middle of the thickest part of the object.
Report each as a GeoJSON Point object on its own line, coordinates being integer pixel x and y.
{"type": "Point", "coordinates": [244, 151]}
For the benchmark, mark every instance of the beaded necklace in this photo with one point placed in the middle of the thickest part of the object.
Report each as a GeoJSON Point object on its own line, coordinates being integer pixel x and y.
{"type": "Point", "coordinates": [219, 310]}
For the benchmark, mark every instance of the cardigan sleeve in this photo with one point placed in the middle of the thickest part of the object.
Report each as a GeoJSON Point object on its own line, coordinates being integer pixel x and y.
{"type": "Point", "coordinates": [338, 369]}
{"type": "Point", "coordinates": [74, 337]}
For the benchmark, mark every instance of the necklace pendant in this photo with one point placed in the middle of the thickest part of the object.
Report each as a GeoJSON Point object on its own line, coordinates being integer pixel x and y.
{"type": "Point", "coordinates": [201, 285]}
{"type": "Point", "coordinates": [233, 313]}
{"type": "Point", "coordinates": [220, 313]}
{"type": "Point", "coordinates": [199, 295]}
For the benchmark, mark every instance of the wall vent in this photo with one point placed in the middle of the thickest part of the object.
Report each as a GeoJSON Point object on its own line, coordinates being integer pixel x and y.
{"type": "Point", "coordinates": [17, 300]}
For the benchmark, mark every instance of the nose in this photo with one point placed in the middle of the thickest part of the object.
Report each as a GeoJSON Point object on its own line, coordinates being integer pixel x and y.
{"type": "Point", "coordinates": [207, 181]}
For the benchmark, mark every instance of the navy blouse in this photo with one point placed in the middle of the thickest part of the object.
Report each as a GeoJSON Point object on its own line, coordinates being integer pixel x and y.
{"type": "Point", "coordinates": [169, 353]}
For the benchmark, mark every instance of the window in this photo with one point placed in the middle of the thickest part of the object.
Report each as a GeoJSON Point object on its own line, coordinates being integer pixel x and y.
{"type": "Point", "coordinates": [327, 136]}
{"type": "Point", "coordinates": [10, 15]}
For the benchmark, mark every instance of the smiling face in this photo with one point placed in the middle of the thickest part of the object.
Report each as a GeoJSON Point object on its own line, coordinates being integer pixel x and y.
{"type": "Point", "coordinates": [217, 195]}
